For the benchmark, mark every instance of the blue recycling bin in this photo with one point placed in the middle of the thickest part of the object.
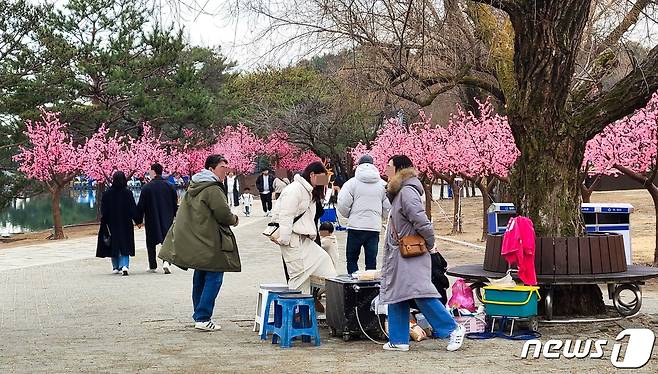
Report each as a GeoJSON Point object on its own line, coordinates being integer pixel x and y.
{"type": "Point", "coordinates": [498, 216]}
{"type": "Point", "coordinates": [598, 217]}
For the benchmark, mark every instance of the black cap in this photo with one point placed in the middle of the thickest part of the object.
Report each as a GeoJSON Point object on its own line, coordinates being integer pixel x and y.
{"type": "Point", "coordinates": [366, 159]}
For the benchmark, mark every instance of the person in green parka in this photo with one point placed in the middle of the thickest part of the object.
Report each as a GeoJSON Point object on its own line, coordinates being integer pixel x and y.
{"type": "Point", "coordinates": [201, 239]}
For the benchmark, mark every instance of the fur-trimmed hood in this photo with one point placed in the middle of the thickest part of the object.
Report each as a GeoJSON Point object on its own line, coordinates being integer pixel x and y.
{"type": "Point", "coordinates": [404, 177]}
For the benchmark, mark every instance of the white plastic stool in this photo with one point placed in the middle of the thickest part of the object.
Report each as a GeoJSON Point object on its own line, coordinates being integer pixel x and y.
{"type": "Point", "coordinates": [263, 293]}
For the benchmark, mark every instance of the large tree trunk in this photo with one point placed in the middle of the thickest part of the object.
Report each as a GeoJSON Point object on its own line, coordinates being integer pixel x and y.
{"type": "Point", "coordinates": [546, 179]}
{"type": "Point", "coordinates": [58, 229]}
{"type": "Point", "coordinates": [546, 184]}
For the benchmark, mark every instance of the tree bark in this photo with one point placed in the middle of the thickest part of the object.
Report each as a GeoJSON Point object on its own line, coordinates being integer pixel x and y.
{"type": "Point", "coordinates": [427, 186]}
{"type": "Point", "coordinates": [58, 229]}
{"type": "Point", "coordinates": [486, 186]}
{"type": "Point", "coordinates": [456, 208]}
{"type": "Point", "coordinates": [576, 300]}
{"type": "Point", "coordinates": [546, 188]}
{"type": "Point", "coordinates": [100, 190]}
{"type": "Point", "coordinates": [546, 179]}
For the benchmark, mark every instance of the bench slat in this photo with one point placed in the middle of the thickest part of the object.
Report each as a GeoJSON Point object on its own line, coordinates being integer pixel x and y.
{"type": "Point", "coordinates": [584, 252]}
{"type": "Point", "coordinates": [561, 256]}
{"type": "Point", "coordinates": [573, 257]}
{"type": "Point", "coordinates": [605, 254]}
{"type": "Point", "coordinates": [547, 256]}
{"type": "Point", "coordinates": [595, 252]}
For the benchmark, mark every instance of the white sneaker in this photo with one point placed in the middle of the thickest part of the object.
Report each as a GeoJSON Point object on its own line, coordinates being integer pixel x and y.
{"type": "Point", "coordinates": [207, 326]}
{"type": "Point", "coordinates": [396, 347]}
{"type": "Point", "coordinates": [456, 338]}
{"type": "Point", "coordinates": [115, 271]}
{"type": "Point", "coordinates": [165, 267]}
{"type": "Point", "coordinates": [124, 270]}
{"type": "Point", "coordinates": [151, 271]}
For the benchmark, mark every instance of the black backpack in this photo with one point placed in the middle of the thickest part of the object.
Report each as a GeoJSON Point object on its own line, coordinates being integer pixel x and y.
{"type": "Point", "coordinates": [439, 278]}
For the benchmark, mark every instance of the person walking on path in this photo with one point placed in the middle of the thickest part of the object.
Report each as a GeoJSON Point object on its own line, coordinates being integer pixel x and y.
{"type": "Point", "coordinates": [362, 200]}
{"type": "Point", "coordinates": [279, 185]}
{"type": "Point", "coordinates": [265, 186]}
{"type": "Point", "coordinates": [405, 279]}
{"type": "Point", "coordinates": [116, 236]}
{"type": "Point", "coordinates": [247, 200]}
{"type": "Point", "coordinates": [295, 214]}
{"type": "Point", "coordinates": [232, 190]}
{"type": "Point", "coordinates": [202, 239]}
{"type": "Point", "coordinates": [158, 203]}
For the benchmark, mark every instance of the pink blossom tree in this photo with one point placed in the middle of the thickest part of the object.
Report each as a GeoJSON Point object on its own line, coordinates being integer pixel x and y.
{"type": "Point", "coordinates": [485, 148]}
{"type": "Point", "coordinates": [298, 161]}
{"type": "Point", "coordinates": [50, 157]}
{"type": "Point", "coordinates": [187, 155]}
{"type": "Point", "coordinates": [102, 154]}
{"type": "Point", "coordinates": [278, 149]}
{"type": "Point", "coordinates": [240, 146]}
{"type": "Point", "coordinates": [285, 155]}
{"type": "Point", "coordinates": [425, 144]}
{"type": "Point", "coordinates": [141, 152]}
{"type": "Point", "coordinates": [629, 146]}
{"type": "Point", "coordinates": [105, 153]}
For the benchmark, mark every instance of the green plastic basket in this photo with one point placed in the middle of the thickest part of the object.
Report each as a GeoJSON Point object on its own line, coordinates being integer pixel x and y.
{"type": "Point", "coordinates": [519, 301]}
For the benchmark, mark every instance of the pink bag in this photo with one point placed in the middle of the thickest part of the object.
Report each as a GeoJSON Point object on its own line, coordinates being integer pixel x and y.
{"type": "Point", "coordinates": [462, 296]}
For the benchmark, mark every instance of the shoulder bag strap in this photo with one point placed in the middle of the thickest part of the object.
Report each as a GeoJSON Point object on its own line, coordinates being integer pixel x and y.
{"type": "Point", "coordinates": [397, 237]}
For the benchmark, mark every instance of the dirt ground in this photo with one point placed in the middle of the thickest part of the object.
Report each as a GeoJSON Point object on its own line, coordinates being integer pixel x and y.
{"type": "Point", "coordinates": [643, 220]}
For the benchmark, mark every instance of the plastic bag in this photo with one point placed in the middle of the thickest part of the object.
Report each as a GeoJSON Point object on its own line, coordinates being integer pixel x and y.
{"type": "Point", "coordinates": [506, 281]}
{"type": "Point", "coordinates": [462, 296]}
{"type": "Point", "coordinates": [378, 307]}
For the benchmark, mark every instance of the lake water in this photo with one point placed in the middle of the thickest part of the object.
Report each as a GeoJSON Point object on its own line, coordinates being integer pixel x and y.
{"type": "Point", "coordinates": [34, 213]}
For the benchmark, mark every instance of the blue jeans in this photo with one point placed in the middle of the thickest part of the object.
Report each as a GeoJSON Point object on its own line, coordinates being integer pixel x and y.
{"type": "Point", "coordinates": [205, 288]}
{"type": "Point", "coordinates": [119, 262]}
{"type": "Point", "coordinates": [356, 239]}
{"type": "Point", "coordinates": [437, 315]}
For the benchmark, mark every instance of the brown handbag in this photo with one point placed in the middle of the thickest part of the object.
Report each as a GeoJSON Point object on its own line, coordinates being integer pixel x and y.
{"type": "Point", "coordinates": [410, 245]}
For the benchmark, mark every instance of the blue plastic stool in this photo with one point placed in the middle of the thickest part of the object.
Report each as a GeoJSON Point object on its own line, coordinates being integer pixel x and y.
{"type": "Point", "coordinates": [287, 328]}
{"type": "Point", "coordinates": [272, 299]}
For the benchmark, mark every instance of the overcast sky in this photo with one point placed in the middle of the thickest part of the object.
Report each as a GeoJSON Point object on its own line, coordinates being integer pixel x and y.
{"type": "Point", "coordinates": [233, 31]}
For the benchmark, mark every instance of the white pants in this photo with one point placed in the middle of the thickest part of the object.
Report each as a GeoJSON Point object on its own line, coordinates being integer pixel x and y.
{"type": "Point", "coordinates": [305, 260]}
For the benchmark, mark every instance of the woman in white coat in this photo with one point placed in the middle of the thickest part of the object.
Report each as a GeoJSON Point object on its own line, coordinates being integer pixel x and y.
{"type": "Point", "coordinates": [295, 214]}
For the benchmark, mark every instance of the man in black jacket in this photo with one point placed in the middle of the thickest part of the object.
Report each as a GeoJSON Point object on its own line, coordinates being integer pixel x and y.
{"type": "Point", "coordinates": [157, 207]}
{"type": "Point", "coordinates": [265, 185]}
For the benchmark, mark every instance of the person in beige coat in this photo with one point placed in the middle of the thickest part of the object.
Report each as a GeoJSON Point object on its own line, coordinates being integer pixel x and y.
{"type": "Point", "coordinates": [295, 215]}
